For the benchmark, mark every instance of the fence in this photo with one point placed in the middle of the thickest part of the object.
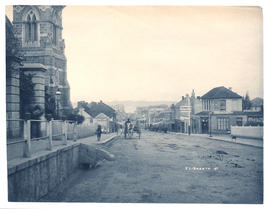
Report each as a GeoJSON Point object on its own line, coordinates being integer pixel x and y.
{"type": "Point", "coordinates": [255, 132]}
{"type": "Point", "coordinates": [25, 137]}
{"type": "Point", "coordinates": [86, 130]}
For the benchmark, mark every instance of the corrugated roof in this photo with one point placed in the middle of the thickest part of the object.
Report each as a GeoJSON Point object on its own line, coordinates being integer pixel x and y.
{"type": "Point", "coordinates": [220, 93]}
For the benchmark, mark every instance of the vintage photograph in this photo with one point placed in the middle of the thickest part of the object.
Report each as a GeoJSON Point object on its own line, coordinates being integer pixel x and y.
{"type": "Point", "coordinates": [134, 104]}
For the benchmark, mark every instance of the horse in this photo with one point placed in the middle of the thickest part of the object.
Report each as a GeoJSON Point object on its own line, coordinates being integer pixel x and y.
{"type": "Point", "coordinates": [137, 129]}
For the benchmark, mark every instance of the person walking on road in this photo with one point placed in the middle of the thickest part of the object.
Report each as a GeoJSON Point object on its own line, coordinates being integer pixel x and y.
{"type": "Point", "coordinates": [121, 131]}
{"type": "Point", "coordinates": [127, 127]}
{"type": "Point", "coordinates": [98, 132]}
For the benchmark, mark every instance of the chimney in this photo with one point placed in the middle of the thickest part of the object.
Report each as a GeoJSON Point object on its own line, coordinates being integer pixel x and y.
{"type": "Point", "coordinates": [230, 88]}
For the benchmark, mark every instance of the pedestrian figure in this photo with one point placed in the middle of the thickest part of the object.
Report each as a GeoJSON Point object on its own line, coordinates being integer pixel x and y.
{"type": "Point", "coordinates": [165, 129]}
{"type": "Point", "coordinates": [121, 130]}
{"type": "Point", "coordinates": [98, 132]}
{"type": "Point", "coordinates": [127, 127]}
{"type": "Point", "coordinates": [117, 129]}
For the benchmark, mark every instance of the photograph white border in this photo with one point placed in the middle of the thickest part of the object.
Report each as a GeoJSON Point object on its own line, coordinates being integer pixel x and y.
{"type": "Point", "coordinates": [3, 170]}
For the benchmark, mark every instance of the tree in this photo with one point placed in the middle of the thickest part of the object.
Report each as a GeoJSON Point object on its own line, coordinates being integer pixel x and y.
{"type": "Point", "coordinates": [26, 93]}
{"type": "Point", "coordinates": [75, 117]}
{"type": "Point", "coordinates": [246, 103]}
{"type": "Point", "coordinates": [50, 106]}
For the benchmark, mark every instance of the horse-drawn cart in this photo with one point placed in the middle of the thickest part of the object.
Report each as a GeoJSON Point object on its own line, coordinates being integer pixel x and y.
{"type": "Point", "coordinates": [130, 130]}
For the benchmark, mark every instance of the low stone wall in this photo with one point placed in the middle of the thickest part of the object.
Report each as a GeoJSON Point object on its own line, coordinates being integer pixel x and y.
{"type": "Point", "coordinates": [255, 132]}
{"type": "Point", "coordinates": [33, 178]}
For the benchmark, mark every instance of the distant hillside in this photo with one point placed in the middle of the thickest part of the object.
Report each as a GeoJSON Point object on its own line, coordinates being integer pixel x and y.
{"type": "Point", "coordinates": [130, 106]}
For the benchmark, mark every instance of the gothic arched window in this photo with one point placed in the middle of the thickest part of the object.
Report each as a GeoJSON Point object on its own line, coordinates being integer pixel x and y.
{"type": "Point", "coordinates": [31, 31]}
{"type": "Point", "coordinates": [34, 28]}
{"type": "Point", "coordinates": [28, 28]}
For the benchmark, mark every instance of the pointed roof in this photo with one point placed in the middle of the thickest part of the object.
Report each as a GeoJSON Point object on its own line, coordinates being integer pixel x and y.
{"type": "Point", "coordinates": [185, 101]}
{"type": "Point", "coordinates": [95, 109]}
{"type": "Point", "coordinates": [180, 103]}
{"type": "Point", "coordinates": [257, 102]}
{"type": "Point", "coordinates": [221, 93]}
{"type": "Point", "coordinates": [84, 113]}
{"type": "Point", "coordinates": [102, 116]}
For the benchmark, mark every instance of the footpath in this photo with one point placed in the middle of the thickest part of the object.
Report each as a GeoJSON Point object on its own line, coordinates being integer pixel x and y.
{"type": "Point", "coordinates": [92, 140]}
{"type": "Point", "coordinates": [243, 141]}
{"type": "Point", "coordinates": [228, 138]}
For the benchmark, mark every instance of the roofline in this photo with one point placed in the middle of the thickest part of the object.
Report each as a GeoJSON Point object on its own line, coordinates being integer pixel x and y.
{"type": "Point", "coordinates": [222, 97]}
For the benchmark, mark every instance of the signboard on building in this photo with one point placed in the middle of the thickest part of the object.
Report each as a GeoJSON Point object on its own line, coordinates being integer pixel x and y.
{"type": "Point", "coordinates": [185, 112]}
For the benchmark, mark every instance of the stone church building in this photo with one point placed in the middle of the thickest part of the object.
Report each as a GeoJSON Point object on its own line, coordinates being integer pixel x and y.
{"type": "Point", "coordinates": [38, 32]}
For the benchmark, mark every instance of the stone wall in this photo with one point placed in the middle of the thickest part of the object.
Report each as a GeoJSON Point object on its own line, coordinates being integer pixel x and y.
{"type": "Point", "coordinates": [13, 103]}
{"type": "Point", "coordinates": [38, 71]}
{"type": "Point", "coordinates": [34, 178]}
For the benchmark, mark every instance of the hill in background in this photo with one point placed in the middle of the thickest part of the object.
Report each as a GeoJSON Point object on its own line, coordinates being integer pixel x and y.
{"type": "Point", "coordinates": [130, 106]}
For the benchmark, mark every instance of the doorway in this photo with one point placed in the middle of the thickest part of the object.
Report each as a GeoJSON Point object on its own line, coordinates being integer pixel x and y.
{"type": "Point", "coordinates": [204, 125]}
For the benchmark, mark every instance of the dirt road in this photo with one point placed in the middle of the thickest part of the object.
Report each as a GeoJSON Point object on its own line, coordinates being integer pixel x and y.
{"type": "Point", "coordinates": [169, 168]}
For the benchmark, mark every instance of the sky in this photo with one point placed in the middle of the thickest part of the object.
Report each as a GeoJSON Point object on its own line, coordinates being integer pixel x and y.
{"type": "Point", "coordinates": [157, 53]}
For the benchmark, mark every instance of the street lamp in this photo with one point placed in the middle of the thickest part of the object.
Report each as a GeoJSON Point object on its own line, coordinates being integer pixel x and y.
{"type": "Point", "coordinates": [58, 94]}
{"type": "Point", "coordinates": [210, 133]}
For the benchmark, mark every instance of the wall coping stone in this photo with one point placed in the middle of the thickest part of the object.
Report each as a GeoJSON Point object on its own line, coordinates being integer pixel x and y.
{"type": "Point", "coordinates": [33, 66]}
{"type": "Point", "coordinates": [16, 165]}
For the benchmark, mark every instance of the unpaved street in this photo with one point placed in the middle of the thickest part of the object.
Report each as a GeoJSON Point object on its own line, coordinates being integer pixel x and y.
{"type": "Point", "coordinates": [169, 168]}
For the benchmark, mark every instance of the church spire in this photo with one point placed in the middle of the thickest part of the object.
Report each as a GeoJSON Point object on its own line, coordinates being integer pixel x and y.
{"type": "Point", "coordinates": [193, 94]}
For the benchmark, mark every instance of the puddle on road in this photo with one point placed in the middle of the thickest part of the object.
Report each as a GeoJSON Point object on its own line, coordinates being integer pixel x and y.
{"type": "Point", "coordinates": [221, 152]}
{"type": "Point", "coordinates": [155, 176]}
{"type": "Point", "coordinates": [165, 147]}
{"type": "Point", "coordinates": [251, 159]}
